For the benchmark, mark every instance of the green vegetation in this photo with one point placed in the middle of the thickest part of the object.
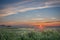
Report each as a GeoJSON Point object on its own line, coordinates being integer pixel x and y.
{"type": "Point", "coordinates": [10, 34]}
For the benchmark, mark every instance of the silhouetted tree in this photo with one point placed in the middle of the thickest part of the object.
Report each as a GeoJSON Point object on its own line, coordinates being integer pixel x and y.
{"type": "Point", "coordinates": [8, 26]}
{"type": "Point", "coordinates": [3, 25]}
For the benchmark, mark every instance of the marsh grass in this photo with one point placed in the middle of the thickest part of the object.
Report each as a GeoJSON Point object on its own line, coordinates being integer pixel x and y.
{"type": "Point", "coordinates": [6, 34]}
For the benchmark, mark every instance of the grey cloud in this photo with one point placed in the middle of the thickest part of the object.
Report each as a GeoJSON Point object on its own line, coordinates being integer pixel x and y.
{"type": "Point", "coordinates": [26, 5]}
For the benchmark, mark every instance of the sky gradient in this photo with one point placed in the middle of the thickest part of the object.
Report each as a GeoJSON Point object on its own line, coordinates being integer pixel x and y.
{"type": "Point", "coordinates": [34, 12]}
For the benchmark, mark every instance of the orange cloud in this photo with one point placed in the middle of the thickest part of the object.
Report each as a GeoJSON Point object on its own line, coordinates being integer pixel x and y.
{"type": "Point", "coordinates": [42, 25]}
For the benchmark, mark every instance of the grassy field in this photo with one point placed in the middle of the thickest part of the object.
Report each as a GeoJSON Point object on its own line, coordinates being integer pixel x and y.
{"type": "Point", "coordinates": [28, 34]}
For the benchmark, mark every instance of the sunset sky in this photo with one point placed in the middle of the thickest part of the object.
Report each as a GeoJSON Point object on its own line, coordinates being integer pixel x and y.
{"type": "Point", "coordinates": [35, 12]}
